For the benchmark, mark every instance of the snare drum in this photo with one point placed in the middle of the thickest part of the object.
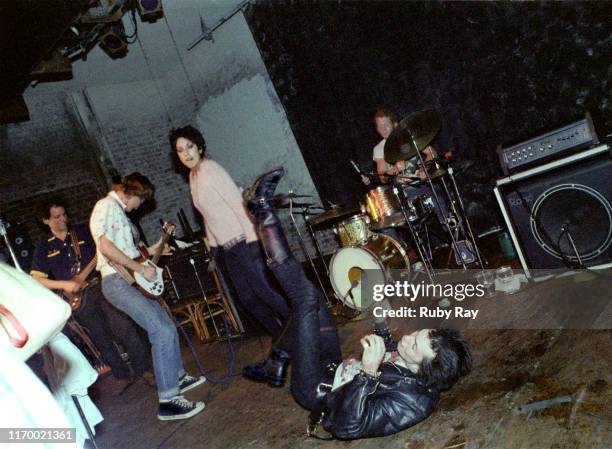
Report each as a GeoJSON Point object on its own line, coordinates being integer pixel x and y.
{"type": "Point", "coordinates": [353, 231]}
{"type": "Point", "coordinates": [379, 255]}
{"type": "Point", "coordinates": [383, 207]}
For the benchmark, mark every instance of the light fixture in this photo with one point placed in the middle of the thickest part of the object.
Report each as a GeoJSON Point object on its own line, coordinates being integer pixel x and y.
{"type": "Point", "coordinates": [113, 41]}
{"type": "Point", "coordinates": [149, 10]}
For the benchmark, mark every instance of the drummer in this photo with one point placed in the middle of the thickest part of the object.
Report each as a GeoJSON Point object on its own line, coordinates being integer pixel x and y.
{"type": "Point", "coordinates": [385, 122]}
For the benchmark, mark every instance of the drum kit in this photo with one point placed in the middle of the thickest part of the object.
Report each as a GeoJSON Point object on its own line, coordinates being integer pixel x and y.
{"type": "Point", "coordinates": [395, 216]}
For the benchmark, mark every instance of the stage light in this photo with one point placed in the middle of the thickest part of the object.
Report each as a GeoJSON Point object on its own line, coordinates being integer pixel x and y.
{"type": "Point", "coordinates": [106, 11]}
{"type": "Point", "coordinates": [113, 41]}
{"type": "Point", "coordinates": [149, 10]}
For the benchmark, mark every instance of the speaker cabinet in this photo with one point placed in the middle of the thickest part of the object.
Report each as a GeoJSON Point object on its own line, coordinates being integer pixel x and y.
{"type": "Point", "coordinates": [21, 245]}
{"type": "Point", "coordinates": [559, 214]}
{"type": "Point", "coordinates": [184, 273]}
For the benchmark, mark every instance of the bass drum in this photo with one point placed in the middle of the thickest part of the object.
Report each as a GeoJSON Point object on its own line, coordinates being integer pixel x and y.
{"type": "Point", "coordinates": [379, 255]}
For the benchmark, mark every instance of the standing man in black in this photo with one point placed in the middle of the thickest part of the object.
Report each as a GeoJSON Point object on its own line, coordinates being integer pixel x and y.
{"type": "Point", "coordinates": [63, 253]}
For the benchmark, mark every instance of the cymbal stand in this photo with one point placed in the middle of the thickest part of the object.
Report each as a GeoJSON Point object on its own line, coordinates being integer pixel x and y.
{"type": "Point", "coordinates": [7, 242]}
{"type": "Point", "coordinates": [415, 236]}
{"type": "Point", "coordinates": [313, 236]}
{"type": "Point", "coordinates": [305, 251]}
{"type": "Point", "coordinates": [437, 200]}
{"type": "Point", "coordinates": [451, 174]}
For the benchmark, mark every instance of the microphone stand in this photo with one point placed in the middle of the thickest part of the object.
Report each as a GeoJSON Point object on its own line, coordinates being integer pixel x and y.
{"type": "Point", "coordinates": [9, 246]}
{"type": "Point", "coordinates": [202, 290]}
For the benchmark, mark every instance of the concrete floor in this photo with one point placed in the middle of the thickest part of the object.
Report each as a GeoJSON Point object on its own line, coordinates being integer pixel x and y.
{"type": "Point", "coordinates": [511, 368]}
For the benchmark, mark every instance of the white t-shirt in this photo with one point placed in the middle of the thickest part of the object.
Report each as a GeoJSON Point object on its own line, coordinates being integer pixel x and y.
{"type": "Point", "coordinates": [108, 219]}
{"type": "Point", "coordinates": [379, 150]}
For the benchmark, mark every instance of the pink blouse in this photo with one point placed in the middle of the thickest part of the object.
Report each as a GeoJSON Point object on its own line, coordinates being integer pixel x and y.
{"type": "Point", "coordinates": [217, 198]}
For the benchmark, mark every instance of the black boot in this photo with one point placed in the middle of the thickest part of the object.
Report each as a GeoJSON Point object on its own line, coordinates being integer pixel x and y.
{"type": "Point", "coordinates": [262, 190]}
{"type": "Point", "coordinates": [268, 226]}
{"type": "Point", "coordinates": [272, 370]}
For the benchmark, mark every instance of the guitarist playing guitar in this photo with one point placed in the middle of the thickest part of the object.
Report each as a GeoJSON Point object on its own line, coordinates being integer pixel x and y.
{"type": "Point", "coordinates": [64, 260]}
{"type": "Point", "coordinates": [117, 253]}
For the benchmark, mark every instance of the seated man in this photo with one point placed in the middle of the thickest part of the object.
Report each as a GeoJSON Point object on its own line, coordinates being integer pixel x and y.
{"type": "Point", "coordinates": [385, 392]}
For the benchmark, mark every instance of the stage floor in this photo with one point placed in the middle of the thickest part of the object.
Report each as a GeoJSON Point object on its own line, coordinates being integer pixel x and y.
{"type": "Point", "coordinates": [511, 368]}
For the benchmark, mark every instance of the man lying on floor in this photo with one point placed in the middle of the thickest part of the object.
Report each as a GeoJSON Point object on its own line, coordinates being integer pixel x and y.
{"type": "Point", "coordinates": [382, 394]}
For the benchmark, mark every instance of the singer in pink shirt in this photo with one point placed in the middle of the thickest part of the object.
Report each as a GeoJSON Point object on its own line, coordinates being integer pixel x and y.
{"type": "Point", "coordinates": [229, 228]}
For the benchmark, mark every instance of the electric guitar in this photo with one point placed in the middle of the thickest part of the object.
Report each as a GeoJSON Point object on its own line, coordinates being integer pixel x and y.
{"type": "Point", "coordinates": [151, 289]}
{"type": "Point", "coordinates": [76, 299]}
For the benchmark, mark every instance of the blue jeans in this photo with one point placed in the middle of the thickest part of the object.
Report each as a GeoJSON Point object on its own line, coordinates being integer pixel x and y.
{"type": "Point", "coordinates": [247, 271]}
{"type": "Point", "coordinates": [148, 314]}
{"type": "Point", "coordinates": [315, 342]}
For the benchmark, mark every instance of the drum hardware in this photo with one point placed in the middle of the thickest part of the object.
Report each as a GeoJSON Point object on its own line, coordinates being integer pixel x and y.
{"type": "Point", "coordinates": [364, 176]}
{"type": "Point", "coordinates": [415, 236]}
{"type": "Point", "coordinates": [332, 216]}
{"type": "Point", "coordinates": [465, 217]}
{"type": "Point", "coordinates": [285, 197]}
{"type": "Point", "coordinates": [313, 236]}
{"type": "Point", "coordinates": [412, 135]}
{"type": "Point", "coordinates": [303, 246]}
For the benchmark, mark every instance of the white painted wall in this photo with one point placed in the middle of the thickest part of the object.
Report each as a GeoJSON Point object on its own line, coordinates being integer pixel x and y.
{"type": "Point", "coordinates": [221, 87]}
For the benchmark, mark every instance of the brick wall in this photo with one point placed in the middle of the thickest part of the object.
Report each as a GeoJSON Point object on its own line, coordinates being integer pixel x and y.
{"type": "Point", "coordinates": [43, 156]}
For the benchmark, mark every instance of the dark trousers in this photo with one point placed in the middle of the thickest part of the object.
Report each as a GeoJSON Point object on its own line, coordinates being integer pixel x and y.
{"type": "Point", "coordinates": [315, 342]}
{"type": "Point", "coordinates": [106, 325]}
{"type": "Point", "coordinates": [246, 268]}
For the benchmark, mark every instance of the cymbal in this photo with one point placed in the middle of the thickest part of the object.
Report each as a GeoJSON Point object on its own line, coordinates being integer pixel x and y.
{"type": "Point", "coordinates": [292, 204]}
{"type": "Point", "coordinates": [331, 216]}
{"type": "Point", "coordinates": [436, 168]}
{"type": "Point", "coordinates": [417, 129]}
{"type": "Point", "coordinates": [288, 196]}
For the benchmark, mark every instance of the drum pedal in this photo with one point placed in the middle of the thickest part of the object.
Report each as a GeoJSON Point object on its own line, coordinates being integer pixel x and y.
{"type": "Point", "coordinates": [465, 253]}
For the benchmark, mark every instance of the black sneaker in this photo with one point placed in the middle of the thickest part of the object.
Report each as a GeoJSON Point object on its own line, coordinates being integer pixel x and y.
{"type": "Point", "coordinates": [188, 382]}
{"type": "Point", "coordinates": [178, 408]}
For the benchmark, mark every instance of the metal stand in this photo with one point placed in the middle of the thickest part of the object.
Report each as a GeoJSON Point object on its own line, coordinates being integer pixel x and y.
{"type": "Point", "coordinates": [450, 172]}
{"type": "Point", "coordinates": [313, 236]}
{"type": "Point", "coordinates": [203, 291]}
{"type": "Point", "coordinates": [8, 245]}
{"type": "Point", "coordinates": [81, 332]}
{"type": "Point", "coordinates": [305, 251]}
{"type": "Point", "coordinates": [77, 404]}
{"type": "Point", "coordinates": [415, 235]}
{"type": "Point", "coordinates": [437, 199]}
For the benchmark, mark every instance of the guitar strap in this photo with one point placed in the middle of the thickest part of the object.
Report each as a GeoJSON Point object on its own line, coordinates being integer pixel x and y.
{"type": "Point", "coordinates": [75, 244]}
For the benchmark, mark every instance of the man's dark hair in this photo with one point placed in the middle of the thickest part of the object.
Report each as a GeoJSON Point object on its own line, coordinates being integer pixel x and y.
{"type": "Point", "coordinates": [190, 133]}
{"type": "Point", "coordinates": [453, 359]}
{"type": "Point", "coordinates": [136, 184]}
{"type": "Point", "coordinates": [44, 208]}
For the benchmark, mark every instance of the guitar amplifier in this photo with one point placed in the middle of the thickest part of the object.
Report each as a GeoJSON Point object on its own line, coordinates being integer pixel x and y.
{"type": "Point", "coordinates": [184, 272]}
{"type": "Point", "coordinates": [559, 214]}
{"type": "Point", "coordinates": [551, 145]}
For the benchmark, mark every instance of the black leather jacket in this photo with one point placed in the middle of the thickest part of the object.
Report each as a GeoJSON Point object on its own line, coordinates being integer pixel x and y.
{"type": "Point", "coordinates": [372, 407]}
